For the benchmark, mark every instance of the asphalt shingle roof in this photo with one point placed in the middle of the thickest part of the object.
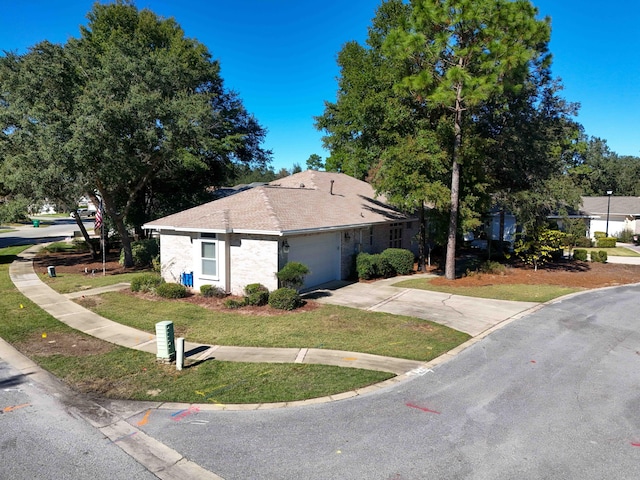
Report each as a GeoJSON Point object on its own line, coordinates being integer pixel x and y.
{"type": "Point", "coordinates": [305, 201]}
{"type": "Point", "coordinates": [619, 206]}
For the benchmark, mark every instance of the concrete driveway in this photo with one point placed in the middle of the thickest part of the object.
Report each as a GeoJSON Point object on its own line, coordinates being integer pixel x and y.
{"type": "Point", "coordinates": [466, 314]}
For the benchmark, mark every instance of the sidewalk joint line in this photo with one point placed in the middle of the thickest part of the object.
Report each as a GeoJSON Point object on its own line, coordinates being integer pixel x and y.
{"type": "Point", "coordinates": [301, 354]}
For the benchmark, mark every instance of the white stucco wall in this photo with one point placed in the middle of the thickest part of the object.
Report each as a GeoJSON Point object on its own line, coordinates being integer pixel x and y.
{"type": "Point", "coordinates": [254, 259]}
{"type": "Point", "coordinates": [616, 225]}
{"type": "Point", "coordinates": [176, 255]}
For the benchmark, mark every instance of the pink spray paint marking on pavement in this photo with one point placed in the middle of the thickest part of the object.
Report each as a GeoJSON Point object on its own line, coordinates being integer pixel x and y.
{"type": "Point", "coordinates": [180, 414]}
{"type": "Point", "coordinates": [424, 409]}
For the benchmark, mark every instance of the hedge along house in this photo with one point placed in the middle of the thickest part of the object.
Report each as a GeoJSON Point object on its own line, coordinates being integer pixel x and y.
{"type": "Point", "coordinates": [321, 219]}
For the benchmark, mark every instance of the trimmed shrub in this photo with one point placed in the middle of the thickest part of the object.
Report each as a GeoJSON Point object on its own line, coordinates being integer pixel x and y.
{"type": "Point", "coordinates": [145, 282]}
{"type": "Point", "coordinates": [210, 291]}
{"type": "Point", "coordinates": [254, 287]}
{"type": "Point", "coordinates": [599, 256]}
{"type": "Point", "coordinates": [365, 266]}
{"type": "Point", "coordinates": [143, 252]}
{"type": "Point", "coordinates": [580, 254]}
{"type": "Point", "coordinates": [285, 299]}
{"type": "Point", "coordinates": [598, 235]}
{"type": "Point", "coordinates": [606, 242]}
{"type": "Point", "coordinates": [384, 268]}
{"type": "Point", "coordinates": [400, 259]}
{"type": "Point", "coordinates": [257, 299]}
{"type": "Point", "coordinates": [233, 303]}
{"type": "Point", "coordinates": [292, 275]}
{"type": "Point", "coordinates": [583, 242]}
{"type": "Point", "coordinates": [171, 290]}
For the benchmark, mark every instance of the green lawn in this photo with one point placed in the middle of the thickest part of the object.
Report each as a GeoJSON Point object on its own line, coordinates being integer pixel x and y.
{"type": "Point", "coordinates": [117, 372]}
{"type": "Point", "coordinates": [516, 292]}
{"type": "Point", "coordinates": [616, 251]}
{"type": "Point", "coordinates": [329, 326]}
{"type": "Point", "coordinates": [67, 283]}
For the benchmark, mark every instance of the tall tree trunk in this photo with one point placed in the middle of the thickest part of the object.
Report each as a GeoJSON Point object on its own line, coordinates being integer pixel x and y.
{"type": "Point", "coordinates": [85, 235]}
{"type": "Point", "coordinates": [124, 238]}
{"type": "Point", "coordinates": [450, 261]}
{"type": "Point", "coordinates": [118, 219]}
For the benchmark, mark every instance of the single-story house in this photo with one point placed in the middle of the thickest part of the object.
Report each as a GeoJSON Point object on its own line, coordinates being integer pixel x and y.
{"type": "Point", "coordinates": [321, 219]}
{"type": "Point", "coordinates": [616, 213]}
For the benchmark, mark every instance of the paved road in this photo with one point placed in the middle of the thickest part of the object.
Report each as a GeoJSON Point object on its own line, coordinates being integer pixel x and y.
{"type": "Point", "coordinates": [59, 230]}
{"type": "Point", "coordinates": [551, 395]}
{"type": "Point", "coordinates": [40, 438]}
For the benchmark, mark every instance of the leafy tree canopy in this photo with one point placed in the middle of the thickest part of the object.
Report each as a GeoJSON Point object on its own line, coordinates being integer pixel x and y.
{"type": "Point", "coordinates": [447, 94]}
{"type": "Point", "coordinates": [129, 105]}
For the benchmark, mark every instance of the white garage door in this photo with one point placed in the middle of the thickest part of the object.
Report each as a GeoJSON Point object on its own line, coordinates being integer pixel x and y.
{"type": "Point", "coordinates": [321, 253]}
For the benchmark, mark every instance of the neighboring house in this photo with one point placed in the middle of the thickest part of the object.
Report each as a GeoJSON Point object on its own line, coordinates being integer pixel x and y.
{"type": "Point", "coordinates": [321, 219]}
{"type": "Point", "coordinates": [623, 214]}
{"type": "Point", "coordinates": [47, 208]}
{"type": "Point", "coordinates": [490, 230]}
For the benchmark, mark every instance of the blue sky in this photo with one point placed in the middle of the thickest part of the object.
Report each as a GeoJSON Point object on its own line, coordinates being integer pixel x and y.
{"type": "Point", "coordinates": [279, 55]}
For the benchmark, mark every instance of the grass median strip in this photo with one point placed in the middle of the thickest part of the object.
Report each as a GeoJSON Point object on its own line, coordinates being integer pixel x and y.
{"type": "Point", "coordinates": [615, 251]}
{"type": "Point", "coordinates": [93, 366]}
{"type": "Point", "coordinates": [514, 292]}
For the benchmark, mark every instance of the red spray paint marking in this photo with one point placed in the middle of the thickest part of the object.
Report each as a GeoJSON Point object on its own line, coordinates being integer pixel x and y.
{"type": "Point", "coordinates": [635, 444]}
{"type": "Point", "coordinates": [180, 414]}
{"type": "Point", "coordinates": [424, 409]}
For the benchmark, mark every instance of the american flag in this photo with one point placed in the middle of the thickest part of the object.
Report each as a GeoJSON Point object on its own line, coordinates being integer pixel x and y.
{"type": "Point", "coordinates": [98, 220]}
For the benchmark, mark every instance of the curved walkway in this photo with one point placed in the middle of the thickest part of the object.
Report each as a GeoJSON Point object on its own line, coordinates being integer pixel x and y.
{"type": "Point", "coordinates": [63, 308]}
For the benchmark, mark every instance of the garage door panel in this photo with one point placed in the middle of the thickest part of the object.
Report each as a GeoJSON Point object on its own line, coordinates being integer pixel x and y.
{"type": "Point", "coordinates": [321, 253]}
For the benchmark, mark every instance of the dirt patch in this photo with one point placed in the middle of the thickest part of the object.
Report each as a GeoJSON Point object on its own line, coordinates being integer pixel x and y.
{"type": "Point", "coordinates": [569, 274]}
{"type": "Point", "coordinates": [79, 263]}
{"type": "Point", "coordinates": [76, 344]}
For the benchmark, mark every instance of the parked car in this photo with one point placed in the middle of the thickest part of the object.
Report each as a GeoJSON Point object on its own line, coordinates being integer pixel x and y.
{"type": "Point", "coordinates": [83, 213]}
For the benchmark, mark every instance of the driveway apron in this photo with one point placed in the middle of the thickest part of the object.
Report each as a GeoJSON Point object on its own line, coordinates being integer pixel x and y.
{"type": "Point", "coordinates": [466, 314]}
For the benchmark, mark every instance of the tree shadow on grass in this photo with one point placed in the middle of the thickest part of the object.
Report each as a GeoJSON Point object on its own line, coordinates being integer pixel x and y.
{"type": "Point", "coordinates": [6, 259]}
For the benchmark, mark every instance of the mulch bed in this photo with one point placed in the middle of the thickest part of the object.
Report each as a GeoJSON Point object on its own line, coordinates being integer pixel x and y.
{"type": "Point", "coordinates": [569, 274]}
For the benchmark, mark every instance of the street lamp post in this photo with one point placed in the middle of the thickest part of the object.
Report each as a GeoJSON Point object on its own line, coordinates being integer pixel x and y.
{"type": "Point", "coordinates": [609, 193]}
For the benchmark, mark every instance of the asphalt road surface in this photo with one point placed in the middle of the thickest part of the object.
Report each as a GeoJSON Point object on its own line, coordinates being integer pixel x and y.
{"type": "Point", "coordinates": [40, 439]}
{"type": "Point", "coordinates": [26, 235]}
{"type": "Point", "coordinates": [555, 395]}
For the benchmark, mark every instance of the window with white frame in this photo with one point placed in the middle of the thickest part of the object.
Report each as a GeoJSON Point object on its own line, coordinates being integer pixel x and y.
{"type": "Point", "coordinates": [209, 258]}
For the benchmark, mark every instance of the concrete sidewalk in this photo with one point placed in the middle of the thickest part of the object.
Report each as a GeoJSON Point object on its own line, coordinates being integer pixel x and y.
{"type": "Point", "coordinates": [65, 310]}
